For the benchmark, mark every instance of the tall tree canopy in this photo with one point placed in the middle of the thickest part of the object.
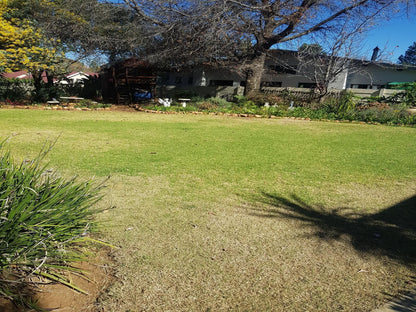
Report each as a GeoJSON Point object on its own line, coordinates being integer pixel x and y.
{"type": "Point", "coordinates": [23, 45]}
{"type": "Point", "coordinates": [409, 58]}
{"type": "Point", "coordinates": [245, 30]}
{"type": "Point", "coordinates": [81, 27]}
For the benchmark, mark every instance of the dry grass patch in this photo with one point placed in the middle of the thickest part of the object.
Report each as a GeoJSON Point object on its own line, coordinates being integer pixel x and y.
{"type": "Point", "coordinates": [232, 255]}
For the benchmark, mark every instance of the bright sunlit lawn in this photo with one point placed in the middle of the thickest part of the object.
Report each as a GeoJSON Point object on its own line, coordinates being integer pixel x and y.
{"type": "Point", "coordinates": [228, 214]}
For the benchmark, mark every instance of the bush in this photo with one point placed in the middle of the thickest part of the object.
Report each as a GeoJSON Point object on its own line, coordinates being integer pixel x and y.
{"type": "Point", "coordinates": [345, 103]}
{"type": "Point", "coordinates": [243, 101]}
{"type": "Point", "coordinates": [410, 95]}
{"type": "Point", "coordinates": [41, 216]}
{"type": "Point", "coordinates": [211, 104]}
{"type": "Point", "coordinates": [91, 104]}
{"type": "Point", "coordinates": [207, 106]}
{"type": "Point", "coordinates": [14, 90]}
{"type": "Point", "coordinates": [47, 92]}
{"type": "Point", "coordinates": [344, 107]}
{"type": "Point", "coordinates": [260, 99]}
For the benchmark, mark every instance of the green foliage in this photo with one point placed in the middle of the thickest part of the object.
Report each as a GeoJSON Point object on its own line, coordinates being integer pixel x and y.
{"type": "Point", "coordinates": [409, 58]}
{"type": "Point", "coordinates": [243, 101]}
{"type": "Point", "coordinates": [346, 107]}
{"type": "Point", "coordinates": [346, 103]}
{"type": "Point", "coordinates": [410, 94]}
{"type": "Point", "coordinates": [260, 99]}
{"type": "Point", "coordinates": [41, 215]}
{"type": "Point", "coordinates": [406, 96]}
{"type": "Point", "coordinates": [213, 104]}
{"type": "Point", "coordinates": [14, 89]}
{"type": "Point", "coordinates": [46, 92]}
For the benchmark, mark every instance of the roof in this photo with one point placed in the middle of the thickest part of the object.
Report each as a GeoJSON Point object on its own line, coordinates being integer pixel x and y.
{"type": "Point", "coordinates": [364, 62]}
{"type": "Point", "coordinates": [70, 75]}
{"type": "Point", "coordinates": [24, 74]}
{"type": "Point", "coordinates": [21, 74]}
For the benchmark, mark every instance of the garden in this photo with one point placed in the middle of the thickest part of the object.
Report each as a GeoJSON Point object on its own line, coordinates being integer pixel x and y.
{"type": "Point", "coordinates": [216, 213]}
{"type": "Point", "coordinates": [345, 106]}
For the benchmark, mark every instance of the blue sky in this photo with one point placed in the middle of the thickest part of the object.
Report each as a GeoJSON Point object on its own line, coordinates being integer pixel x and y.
{"type": "Point", "coordinates": [392, 37]}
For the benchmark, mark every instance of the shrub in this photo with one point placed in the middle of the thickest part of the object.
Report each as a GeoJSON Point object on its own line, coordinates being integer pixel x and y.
{"type": "Point", "coordinates": [14, 90]}
{"type": "Point", "coordinates": [91, 104]}
{"type": "Point", "coordinates": [46, 92]}
{"type": "Point", "coordinates": [41, 216]}
{"type": "Point", "coordinates": [260, 99]}
{"type": "Point", "coordinates": [222, 103]}
{"type": "Point", "coordinates": [243, 101]}
{"type": "Point", "coordinates": [410, 94]}
{"type": "Point", "coordinates": [207, 106]}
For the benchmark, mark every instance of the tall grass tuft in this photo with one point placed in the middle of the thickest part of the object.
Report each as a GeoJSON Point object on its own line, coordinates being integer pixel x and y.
{"type": "Point", "coordinates": [42, 217]}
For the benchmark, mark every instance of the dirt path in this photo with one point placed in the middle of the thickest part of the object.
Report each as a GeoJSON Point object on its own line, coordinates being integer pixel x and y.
{"type": "Point", "coordinates": [60, 298]}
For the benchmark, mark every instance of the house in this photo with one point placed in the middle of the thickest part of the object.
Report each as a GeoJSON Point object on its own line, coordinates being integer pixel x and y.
{"type": "Point", "coordinates": [78, 77]}
{"type": "Point", "coordinates": [286, 69]}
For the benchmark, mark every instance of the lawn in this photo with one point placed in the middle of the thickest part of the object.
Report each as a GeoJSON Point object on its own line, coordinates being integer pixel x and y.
{"type": "Point", "coordinates": [215, 213]}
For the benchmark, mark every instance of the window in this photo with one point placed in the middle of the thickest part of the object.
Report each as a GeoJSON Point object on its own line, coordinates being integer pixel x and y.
{"type": "Point", "coordinates": [275, 84]}
{"type": "Point", "coordinates": [309, 85]}
{"type": "Point", "coordinates": [360, 86]}
{"type": "Point", "coordinates": [221, 83]}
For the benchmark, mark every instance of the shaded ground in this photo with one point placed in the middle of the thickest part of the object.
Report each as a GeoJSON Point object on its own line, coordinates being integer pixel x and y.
{"type": "Point", "coordinates": [390, 232]}
{"type": "Point", "coordinates": [405, 304]}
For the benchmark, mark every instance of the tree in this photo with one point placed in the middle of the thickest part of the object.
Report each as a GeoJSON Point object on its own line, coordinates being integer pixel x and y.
{"type": "Point", "coordinates": [409, 58]}
{"type": "Point", "coordinates": [325, 66]}
{"type": "Point", "coordinates": [89, 27]}
{"type": "Point", "coordinates": [47, 29]}
{"type": "Point", "coordinates": [24, 46]}
{"type": "Point", "coordinates": [84, 28]}
{"type": "Point", "coordinates": [243, 31]}
{"type": "Point", "coordinates": [311, 49]}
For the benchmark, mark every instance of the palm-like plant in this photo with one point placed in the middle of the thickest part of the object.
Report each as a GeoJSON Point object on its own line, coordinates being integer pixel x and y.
{"type": "Point", "coordinates": [42, 216]}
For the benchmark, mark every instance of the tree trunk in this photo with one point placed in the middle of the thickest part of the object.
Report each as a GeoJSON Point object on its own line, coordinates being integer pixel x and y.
{"type": "Point", "coordinates": [37, 83]}
{"type": "Point", "coordinates": [254, 73]}
{"type": "Point", "coordinates": [49, 77]}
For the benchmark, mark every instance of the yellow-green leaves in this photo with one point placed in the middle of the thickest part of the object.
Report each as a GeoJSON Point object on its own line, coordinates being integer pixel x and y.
{"type": "Point", "coordinates": [23, 46]}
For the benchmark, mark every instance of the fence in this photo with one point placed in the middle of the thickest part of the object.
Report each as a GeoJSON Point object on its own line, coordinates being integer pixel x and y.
{"type": "Point", "coordinates": [226, 92]}
{"type": "Point", "coordinates": [306, 94]}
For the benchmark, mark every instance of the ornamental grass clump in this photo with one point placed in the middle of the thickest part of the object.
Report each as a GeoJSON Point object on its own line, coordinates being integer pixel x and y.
{"type": "Point", "coordinates": [42, 219]}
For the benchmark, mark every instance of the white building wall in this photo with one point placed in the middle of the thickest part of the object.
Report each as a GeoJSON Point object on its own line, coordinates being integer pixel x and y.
{"type": "Point", "coordinates": [368, 76]}
{"type": "Point", "coordinates": [340, 82]}
{"type": "Point", "coordinates": [377, 75]}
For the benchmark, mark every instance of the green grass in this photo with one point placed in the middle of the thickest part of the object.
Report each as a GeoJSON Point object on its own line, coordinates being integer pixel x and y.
{"type": "Point", "coordinates": [217, 214]}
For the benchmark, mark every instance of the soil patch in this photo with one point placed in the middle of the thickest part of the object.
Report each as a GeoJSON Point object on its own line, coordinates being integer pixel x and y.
{"type": "Point", "coordinates": [57, 297]}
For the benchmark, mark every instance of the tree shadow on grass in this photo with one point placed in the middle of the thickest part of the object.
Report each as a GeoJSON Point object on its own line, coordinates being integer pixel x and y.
{"type": "Point", "coordinates": [390, 232]}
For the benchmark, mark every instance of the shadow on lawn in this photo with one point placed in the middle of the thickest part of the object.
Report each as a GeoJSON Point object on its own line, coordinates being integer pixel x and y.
{"type": "Point", "coordinates": [391, 232]}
